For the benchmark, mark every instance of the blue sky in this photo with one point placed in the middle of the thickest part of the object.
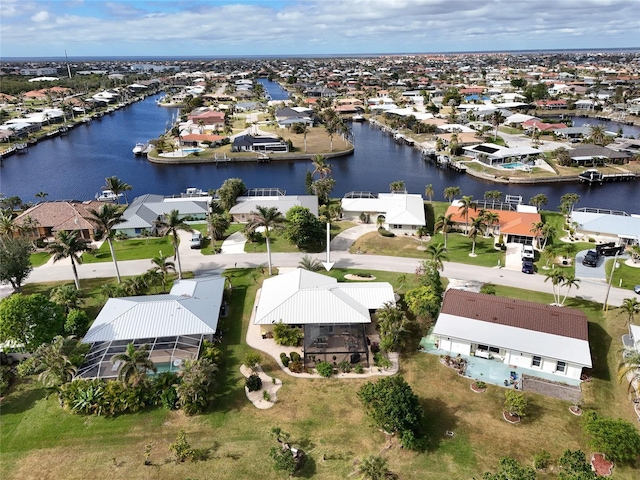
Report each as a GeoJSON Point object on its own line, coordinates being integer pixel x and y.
{"type": "Point", "coordinates": [44, 28]}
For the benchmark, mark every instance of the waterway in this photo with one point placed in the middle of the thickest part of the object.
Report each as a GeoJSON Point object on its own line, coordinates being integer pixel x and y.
{"type": "Point", "coordinates": [75, 166]}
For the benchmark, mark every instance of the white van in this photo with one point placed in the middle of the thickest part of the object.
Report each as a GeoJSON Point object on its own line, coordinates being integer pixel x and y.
{"type": "Point", "coordinates": [196, 240]}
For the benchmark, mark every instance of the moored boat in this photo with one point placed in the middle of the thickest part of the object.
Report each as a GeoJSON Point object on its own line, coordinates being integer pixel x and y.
{"type": "Point", "coordinates": [140, 148]}
{"type": "Point", "coordinates": [107, 196]}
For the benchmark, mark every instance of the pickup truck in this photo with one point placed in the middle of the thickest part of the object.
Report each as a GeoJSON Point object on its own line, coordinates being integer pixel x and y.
{"type": "Point", "coordinates": [609, 249]}
{"type": "Point", "coordinates": [528, 252]}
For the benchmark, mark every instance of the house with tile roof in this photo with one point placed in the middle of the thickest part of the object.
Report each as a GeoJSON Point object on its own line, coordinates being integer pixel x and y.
{"type": "Point", "coordinates": [333, 316]}
{"type": "Point", "coordinates": [268, 198]}
{"type": "Point", "coordinates": [534, 339]}
{"type": "Point", "coordinates": [402, 212]}
{"type": "Point", "coordinates": [48, 218]}
{"type": "Point", "coordinates": [172, 325]}
{"type": "Point", "coordinates": [514, 225]}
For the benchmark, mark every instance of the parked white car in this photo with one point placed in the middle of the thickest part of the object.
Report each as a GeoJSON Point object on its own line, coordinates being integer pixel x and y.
{"type": "Point", "coordinates": [528, 252]}
{"type": "Point", "coordinates": [196, 240]}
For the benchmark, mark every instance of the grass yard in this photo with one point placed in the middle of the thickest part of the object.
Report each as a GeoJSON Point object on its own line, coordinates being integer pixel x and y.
{"type": "Point", "coordinates": [39, 258]}
{"type": "Point", "coordinates": [207, 244]}
{"type": "Point", "coordinates": [40, 441]}
{"type": "Point", "coordinates": [624, 276]}
{"type": "Point", "coordinates": [458, 246]}
{"type": "Point", "coordinates": [133, 249]}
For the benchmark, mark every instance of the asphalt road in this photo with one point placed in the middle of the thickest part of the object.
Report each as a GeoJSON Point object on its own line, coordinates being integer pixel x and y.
{"type": "Point", "coordinates": [589, 289]}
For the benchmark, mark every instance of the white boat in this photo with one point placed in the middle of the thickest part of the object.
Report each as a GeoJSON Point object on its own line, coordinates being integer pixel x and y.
{"type": "Point", "coordinates": [357, 118]}
{"type": "Point", "coordinates": [107, 196]}
{"type": "Point", "coordinates": [194, 192]}
{"type": "Point", "coordinates": [139, 148]}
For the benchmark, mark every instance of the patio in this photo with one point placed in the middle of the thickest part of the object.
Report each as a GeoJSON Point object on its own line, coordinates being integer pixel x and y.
{"type": "Point", "coordinates": [494, 371]}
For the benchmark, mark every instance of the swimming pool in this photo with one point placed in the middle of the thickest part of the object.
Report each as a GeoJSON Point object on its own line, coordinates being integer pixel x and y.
{"type": "Point", "coordinates": [513, 166]}
{"type": "Point", "coordinates": [192, 150]}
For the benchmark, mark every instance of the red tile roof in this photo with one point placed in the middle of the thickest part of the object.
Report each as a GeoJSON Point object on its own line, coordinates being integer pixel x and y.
{"type": "Point", "coordinates": [514, 223]}
{"type": "Point", "coordinates": [566, 322]}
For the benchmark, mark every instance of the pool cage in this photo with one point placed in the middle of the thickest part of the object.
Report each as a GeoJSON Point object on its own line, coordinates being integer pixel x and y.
{"type": "Point", "coordinates": [336, 343]}
{"type": "Point", "coordinates": [167, 353]}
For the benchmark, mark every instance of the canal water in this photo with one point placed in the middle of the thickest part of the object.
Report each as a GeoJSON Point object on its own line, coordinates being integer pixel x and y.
{"type": "Point", "coordinates": [75, 166]}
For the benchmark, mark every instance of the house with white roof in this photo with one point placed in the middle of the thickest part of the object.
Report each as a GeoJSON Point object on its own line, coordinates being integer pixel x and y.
{"type": "Point", "coordinates": [493, 154]}
{"type": "Point", "coordinates": [401, 212]}
{"type": "Point", "coordinates": [333, 316]}
{"type": "Point", "coordinates": [533, 339]}
{"type": "Point", "coordinates": [172, 325]}
{"type": "Point", "coordinates": [142, 213]}
{"type": "Point", "coordinates": [268, 198]}
{"type": "Point", "coordinates": [607, 225]}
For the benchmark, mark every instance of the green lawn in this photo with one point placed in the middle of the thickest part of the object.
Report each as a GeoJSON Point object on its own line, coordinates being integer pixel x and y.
{"type": "Point", "coordinates": [39, 258]}
{"type": "Point", "coordinates": [132, 249]}
{"type": "Point", "coordinates": [624, 276]}
{"type": "Point", "coordinates": [40, 441]}
{"type": "Point", "coordinates": [207, 246]}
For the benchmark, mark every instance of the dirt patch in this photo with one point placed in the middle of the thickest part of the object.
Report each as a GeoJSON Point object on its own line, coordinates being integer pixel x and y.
{"type": "Point", "coordinates": [601, 465]}
{"type": "Point", "coordinates": [511, 418]}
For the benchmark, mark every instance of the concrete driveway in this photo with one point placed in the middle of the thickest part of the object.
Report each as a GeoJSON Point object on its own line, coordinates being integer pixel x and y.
{"type": "Point", "coordinates": [343, 241]}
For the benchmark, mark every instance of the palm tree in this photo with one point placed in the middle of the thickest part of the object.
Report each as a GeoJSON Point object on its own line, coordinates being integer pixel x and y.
{"type": "Point", "coordinates": [169, 224]}
{"type": "Point", "coordinates": [67, 296]}
{"type": "Point", "coordinates": [443, 224]}
{"type": "Point", "coordinates": [69, 245]}
{"type": "Point", "coordinates": [58, 361]}
{"type": "Point", "coordinates": [320, 166]}
{"type": "Point", "coordinates": [598, 134]}
{"type": "Point", "coordinates": [491, 219]}
{"type": "Point", "coordinates": [630, 306]}
{"type": "Point", "coordinates": [538, 200]}
{"type": "Point", "coordinates": [438, 253]}
{"type": "Point", "coordinates": [466, 203]}
{"type": "Point", "coordinates": [117, 186]}
{"type": "Point", "coordinates": [105, 218]}
{"type": "Point", "coordinates": [569, 281]}
{"type": "Point", "coordinates": [42, 195]}
{"type": "Point", "coordinates": [536, 228]}
{"type": "Point", "coordinates": [163, 267]}
{"type": "Point", "coordinates": [477, 226]}
{"type": "Point", "coordinates": [557, 277]}
{"type": "Point", "coordinates": [269, 219]}
{"type": "Point", "coordinates": [218, 224]}
{"type": "Point", "coordinates": [8, 225]}
{"type": "Point", "coordinates": [629, 370]}
{"type": "Point", "coordinates": [428, 192]}
{"type": "Point", "coordinates": [311, 264]}
{"type": "Point", "coordinates": [496, 119]}
{"type": "Point", "coordinates": [134, 364]}
{"type": "Point", "coordinates": [451, 192]}
{"type": "Point", "coordinates": [373, 467]}
{"type": "Point", "coordinates": [195, 387]}
{"type": "Point", "coordinates": [398, 186]}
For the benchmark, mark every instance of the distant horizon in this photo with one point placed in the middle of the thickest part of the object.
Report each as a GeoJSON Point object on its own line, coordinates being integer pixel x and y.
{"type": "Point", "coordinates": [313, 55]}
{"type": "Point", "coordinates": [319, 28]}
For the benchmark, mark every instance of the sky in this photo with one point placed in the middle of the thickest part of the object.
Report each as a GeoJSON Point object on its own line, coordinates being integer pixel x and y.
{"type": "Point", "coordinates": [46, 28]}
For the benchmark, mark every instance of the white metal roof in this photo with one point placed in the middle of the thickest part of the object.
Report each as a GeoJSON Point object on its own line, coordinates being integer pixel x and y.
{"type": "Point", "coordinates": [192, 307]}
{"type": "Point", "coordinates": [282, 202]}
{"type": "Point", "coordinates": [304, 297]}
{"type": "Point", "coordinates": [398, 208]}
{"type": "Point", "coordinates": [621, 225]}
{"type": "Point", "coordinates": [515, 339]}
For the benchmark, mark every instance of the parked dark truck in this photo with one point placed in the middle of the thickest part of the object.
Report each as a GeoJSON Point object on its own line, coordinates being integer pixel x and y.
{"type": "Point", "coordinates": [609, 249]}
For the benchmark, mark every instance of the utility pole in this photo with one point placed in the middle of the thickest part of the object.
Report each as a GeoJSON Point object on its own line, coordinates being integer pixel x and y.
{"type": "Point", "coordinates": [605, 306]}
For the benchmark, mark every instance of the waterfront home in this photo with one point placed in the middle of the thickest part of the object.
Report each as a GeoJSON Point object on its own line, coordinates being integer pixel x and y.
{"type": "Point", "coordinates": [514, 223]}
{"type": "Point", "coordinates": [528, 338]}
{"type": "Point", "coordinates": [45, 219]}
{"type": "Point", "coordinates": [551, 104]}
{"type": "Point", "coordinates": [252, 143]}
{"type": "Point", "coordinates": [208, 117]}
{"type": "Point", "coordinates": [142, 213]}
{"type": "Point", "coordinates": [270, 198]}
{"type": "Point", "coordinates": [332, 316]}
{"type": "Point", "coordinates": [172, 325]}
{"type": "Point", "coordinates": [493, 154]}
{"type": "Point", "coordinates": [607, 225]}
{"type": "Point", "coordinates": [196, 139]}
{"type": "Point", "coordinates": [583, 155]}
{"type": "Point", "coordinates": [537, 124]}
{"type": "Point", "coordinates": [573, 132]}
{"type": "Point", "coordinates": [398, 212]}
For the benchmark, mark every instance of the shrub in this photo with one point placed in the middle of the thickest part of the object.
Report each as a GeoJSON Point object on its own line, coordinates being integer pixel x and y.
{"type": "Point", "coordinates": [285, 359]}
{"type": "Point", "coordinates": [324, 369]}
{"type": "Point", "coordinates": [364, 275]}
{"type": "Point", "coordinates": [383, 232]}
{"type": "Point", "coordinates": [481, 385]}
{"type": "Point", "coordinates": [515, 403]}
{"type": "Point", "coordinates": [5, 378]}
{"type": "Point", "coordinates": [252, 360]}
{"type": "Point", "coordinates": [296, 367]}
{"type": "Point", "coordinates": [181, 447]}
{"type": "Point", "coordinates": [253, 382]}
{"type": "Point", "coordinates": [488, 288]}
{"type": "Point", "coordinates": [541, 460]}
{"type": "Point", "coordinates": [344, 366]}
{"type": "Point", "coordinates": [286, 335]}
{"type": "Point", "coordinates": [77, 322]}
{"type": "Point", "coordinates": [375, 347]}
{"type": "Point", "coordinates": [266, 396]}
{"type": "Point", "coordinates": [381, 361]}
{"type": "Point", "coordinates": [295, 356]}
{"type": "Point", "coordinates": [359, 368]}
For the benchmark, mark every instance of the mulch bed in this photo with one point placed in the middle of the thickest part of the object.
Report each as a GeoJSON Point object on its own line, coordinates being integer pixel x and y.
{"type": "Point", "coordinates": [575, 410]}
{"type": "Point", "coordinates": [601, 465]}
{"type": "Point", "coordinates": [510, 418]}
{"type": "Point", "coordinates": [474, 388]}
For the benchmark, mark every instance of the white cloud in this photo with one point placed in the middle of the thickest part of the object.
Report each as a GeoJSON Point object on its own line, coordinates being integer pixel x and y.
{"type": "Point", "coordinates": [40, 17]}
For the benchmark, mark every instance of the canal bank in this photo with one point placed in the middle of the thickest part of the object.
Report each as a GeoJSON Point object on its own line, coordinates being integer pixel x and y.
{"type": "Point", "coordinates": [153, 157]}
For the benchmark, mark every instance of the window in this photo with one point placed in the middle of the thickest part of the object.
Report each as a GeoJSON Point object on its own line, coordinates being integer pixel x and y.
{"type": "Point", "coordinates": [561, 367]}
{"type": "Point", "coordinates": [396, 226]}
{"type": "Point", "coordinates": [483, 347]}
{"type": "Point", "coordinates": [537, 361]}
{"type": "Point", "coordinates": [494, 349]}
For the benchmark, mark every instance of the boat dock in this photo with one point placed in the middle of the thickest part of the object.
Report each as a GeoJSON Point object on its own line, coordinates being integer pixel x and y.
{"type": "Point", "coordinates": [595, 177]}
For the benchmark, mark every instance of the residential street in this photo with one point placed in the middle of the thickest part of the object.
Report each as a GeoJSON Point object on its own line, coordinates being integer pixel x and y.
{"type": "Point", "coordinates": [205, 264]}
